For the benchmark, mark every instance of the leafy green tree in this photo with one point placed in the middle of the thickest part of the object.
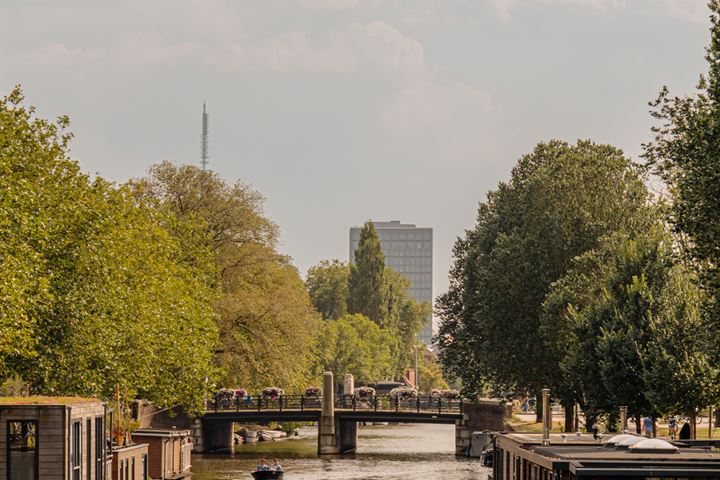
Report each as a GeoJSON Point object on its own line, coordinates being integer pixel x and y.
{"type": "Point", "coordinates": [267, 325]}
{"type": "Point", "coordinates": [429, 373]}
{"type": "Point", "coordinates": [95, 290]}
{"type": "Point", "coordinates": [354, 344]}
{"type": "Point", "coordinates": [686, 153]}
{"type": "Point", "coordinates": [561, 199]}
{"type": "Point", "coordinates": [639, 338]}
{"type": "Point", "coordinates": [403, 317]}
{"type": "Point", "coordinates": [365, 282]}
{"type": "Point", "coordinates": [327, 285]}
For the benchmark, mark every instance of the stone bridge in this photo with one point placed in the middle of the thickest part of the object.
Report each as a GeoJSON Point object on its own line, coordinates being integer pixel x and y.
{"type": "Point", "coordinates": [337, 419]}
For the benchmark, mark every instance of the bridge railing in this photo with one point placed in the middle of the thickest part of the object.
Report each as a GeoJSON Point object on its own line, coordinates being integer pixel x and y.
{"type": "Point", "coordinates": [386, 403]}
{"type": "Point", "coordinates": [378, 403]}
{"type": "Point", "coordinates": [261, 403]}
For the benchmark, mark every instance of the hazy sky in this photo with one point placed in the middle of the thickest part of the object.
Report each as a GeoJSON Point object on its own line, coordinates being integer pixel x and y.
{"type": "Point", "coordinates": [340, 111]}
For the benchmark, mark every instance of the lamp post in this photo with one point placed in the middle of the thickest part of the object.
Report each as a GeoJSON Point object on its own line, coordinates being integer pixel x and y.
{"type": "Point", "coordinates": [547, 416]}
{"type": "Point", "coordinates": [417, 374]}
{"type": "Point", "coordinates": [623, 418]}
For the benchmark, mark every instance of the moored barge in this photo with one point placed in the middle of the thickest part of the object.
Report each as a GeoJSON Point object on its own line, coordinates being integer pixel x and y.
{"type": "Point", "coordinates": [519, 456]}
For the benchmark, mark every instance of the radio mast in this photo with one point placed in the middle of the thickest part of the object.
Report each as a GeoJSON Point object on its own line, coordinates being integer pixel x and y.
{"type": "Point", "coordinates": [204, 140]}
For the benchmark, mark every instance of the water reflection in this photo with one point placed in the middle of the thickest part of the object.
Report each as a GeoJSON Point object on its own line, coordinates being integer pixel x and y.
{"type": "Point", "coordinates": [407, 452]}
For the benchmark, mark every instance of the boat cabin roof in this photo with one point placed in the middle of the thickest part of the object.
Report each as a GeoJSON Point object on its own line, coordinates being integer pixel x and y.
{"type": "Point", "coordinates": [576, 456]}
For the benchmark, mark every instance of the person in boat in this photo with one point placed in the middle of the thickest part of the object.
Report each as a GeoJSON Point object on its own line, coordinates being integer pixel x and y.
{"type": "Point", "coordinates": [263, 466]}
{"type": "Point", "coordinates": [276, 465]}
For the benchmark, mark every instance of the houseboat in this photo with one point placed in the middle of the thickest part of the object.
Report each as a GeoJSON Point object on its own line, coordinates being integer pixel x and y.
{"type": "Point", "coordinates": [53, 438]}
{"type": "Point", "coordinates": [520, 456]}
{"type": "Point", "coordinates": [169, 452]}
{"type": "Point", "coordinates": [130, 462]}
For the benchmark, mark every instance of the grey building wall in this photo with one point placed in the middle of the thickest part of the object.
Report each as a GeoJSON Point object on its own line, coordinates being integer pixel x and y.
{"type": "Point", "coordinates": [408, 250]}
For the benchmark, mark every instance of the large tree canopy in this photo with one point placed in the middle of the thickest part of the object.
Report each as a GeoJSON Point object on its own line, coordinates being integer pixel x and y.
{"type": "Point", "coordinates": [686, 153]}
{"type": "Point", "coordinates": [634, 334]}
{"type": "Point", "coordinates": [266, 322]}
{"type": "Point", "coordinates": [561, 199]}
{"type": "Point", "coordinates": [366, 276]}
{"type": "Point", "coordinates": [327, 284]}
{"type": "Point", "coordinates": [95, 289]}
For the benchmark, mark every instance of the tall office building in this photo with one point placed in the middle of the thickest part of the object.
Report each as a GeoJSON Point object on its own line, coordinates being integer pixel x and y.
{"type": "Point", "coordinates": [408, 250]}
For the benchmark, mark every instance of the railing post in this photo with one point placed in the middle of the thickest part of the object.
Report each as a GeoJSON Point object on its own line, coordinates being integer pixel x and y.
{"type": "Point", "coordinates": [216, 402]}
{"type": "Point", "coordinates": [354, 402]}
{"type": "Point", "coordinates": [418, 404]}
{"type": "Point", "coordinates": [439, 405]}
{"type": "Point", "coordinates": [397, 404]}
{"type": "Point", "coordinates": [281, 400]}
{"type": "Point", "coordinates": [237, 404]}
{"type": "Point", "coordinates": [302, 402]}
{"type": "Point", "coordinates": [259, 402]}
{"type": "Point", "coordinates": [375, 402]}
{"type": "Point", "coordinates": [461, 405]}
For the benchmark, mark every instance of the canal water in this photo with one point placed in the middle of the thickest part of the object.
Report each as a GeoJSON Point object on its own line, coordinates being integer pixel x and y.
{"type": "Point", "coordinates": [402, 452]}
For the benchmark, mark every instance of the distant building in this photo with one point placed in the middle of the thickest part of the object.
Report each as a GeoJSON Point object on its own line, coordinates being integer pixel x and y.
{"type": "Point", "coordinates": [408, 250]}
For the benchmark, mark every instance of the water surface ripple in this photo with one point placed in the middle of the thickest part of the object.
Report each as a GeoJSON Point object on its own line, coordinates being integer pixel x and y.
{"type": "Point", "coordinates": [403, 452]}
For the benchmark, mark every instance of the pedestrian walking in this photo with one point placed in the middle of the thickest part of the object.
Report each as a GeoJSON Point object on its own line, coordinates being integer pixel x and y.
{"type": "Point", "coordinates": [672, 426]}
{"type": "Point", "coordinates": [648, 426]}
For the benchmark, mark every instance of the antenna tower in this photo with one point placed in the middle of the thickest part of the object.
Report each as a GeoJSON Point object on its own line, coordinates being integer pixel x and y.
{"type": "Point", "coordinates": [204, 140]}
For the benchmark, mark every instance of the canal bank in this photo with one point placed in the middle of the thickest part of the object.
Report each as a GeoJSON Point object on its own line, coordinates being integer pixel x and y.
{"type": "Point", "coordinates": [408, 452]}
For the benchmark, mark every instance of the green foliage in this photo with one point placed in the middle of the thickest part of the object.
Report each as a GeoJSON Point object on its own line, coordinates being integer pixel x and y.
{"type": "Point", "coordinates": [95, 290]}
{"type": "Point", "coordinates": [366, 276]}
{"type": "Point", "coordinates": [636, 336]}
{"type": "Point", "coordinates": [266, 322]}
{"type": "Point", "coordinates": [560, 200]}
{"type": "Point", "coordinates": [354, 344]}
{"type": "Point", "coordinates": [686, 153]}
{"type": "Point", "coordinates": [430, 374]}
{"type": "Point", "coordinates": [403, 318]}
{"type": "Point", "coordinates": [400, 316]}
{"type": "Point", "coordinates": [327, 285]}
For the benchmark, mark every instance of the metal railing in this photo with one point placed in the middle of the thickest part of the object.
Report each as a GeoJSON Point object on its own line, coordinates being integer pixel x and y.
{"type": "Point", "coordinates": [377, 403]}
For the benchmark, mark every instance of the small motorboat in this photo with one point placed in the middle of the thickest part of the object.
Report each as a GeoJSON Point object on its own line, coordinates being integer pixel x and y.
{"type": "Point", "coordinates": [267, 474]}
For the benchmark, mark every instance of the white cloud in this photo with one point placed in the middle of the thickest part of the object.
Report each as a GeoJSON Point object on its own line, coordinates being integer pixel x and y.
{"type": "Point", "coordinates": [373, 48]}
{"type": "Point", "coordinates": [695, 10]}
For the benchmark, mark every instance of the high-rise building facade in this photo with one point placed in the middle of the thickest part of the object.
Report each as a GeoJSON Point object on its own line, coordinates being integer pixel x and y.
{"type": "Point", "coordinates": [408, 250]}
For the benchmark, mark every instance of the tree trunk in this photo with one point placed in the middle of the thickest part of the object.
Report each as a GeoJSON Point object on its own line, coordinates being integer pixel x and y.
{"type": "Point", "coordinates": [590, 419]}
{"type": "Point", "coordinates": [569, 406]}
{"type": "Point", "coordinates": [693, 427]}
{"type": "Point", "coordinates": [538, 409]}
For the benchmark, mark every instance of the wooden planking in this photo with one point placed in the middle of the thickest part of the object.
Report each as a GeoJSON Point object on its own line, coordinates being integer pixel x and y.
{"type": "Point", "coordinates": [54, 434]}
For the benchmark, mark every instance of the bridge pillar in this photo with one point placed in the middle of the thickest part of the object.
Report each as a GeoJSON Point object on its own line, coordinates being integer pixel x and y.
{"type": "Point", "coordinates": [349, 384]}
{"type": "Point", "coordinates": [348, 436]}
{"type": "Point", "coordinates": [478, 416]}
{"type": "Point", "coordinates": [348, 429]}
{"type": "Point", "coordinates": [217, 436]}
{"type": "Point", "coordinates": [327, 439]}
{"type": "Point", "coordinates": [335, 436]}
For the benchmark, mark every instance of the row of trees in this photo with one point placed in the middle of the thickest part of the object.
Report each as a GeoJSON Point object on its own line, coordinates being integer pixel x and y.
{"type": "Point", "coordinates": [163, 285]}
{"type": "Point", "coordinates": [371, 321]}
{"type": "Point", "coordinates": [172, 283]}
{"type": "Point", "coordinates": [576, 278]}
